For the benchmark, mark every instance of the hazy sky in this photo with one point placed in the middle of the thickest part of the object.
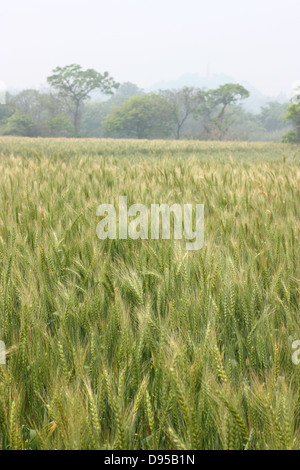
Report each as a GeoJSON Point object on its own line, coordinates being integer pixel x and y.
{"type": "Point", "coordinates": [145, 41]}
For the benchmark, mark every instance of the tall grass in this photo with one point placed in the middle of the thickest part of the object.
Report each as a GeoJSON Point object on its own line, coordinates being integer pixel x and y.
{"type": "Point", "coordinates": [123, 344]}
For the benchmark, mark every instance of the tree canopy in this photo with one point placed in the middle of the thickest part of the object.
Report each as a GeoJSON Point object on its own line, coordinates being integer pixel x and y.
{"type": "Point", "coordinates": [293, 115]}
{"type": "Point", "coordinates": [215, 104]}
{"type": "Point", "coordinates": [140, 117]}
{"type": "Point", "coordinates": [73, 106]}
{"type": "Point", "coordinates": [183, 103]}
{"type": "Point", "coordinates": [75, 85]}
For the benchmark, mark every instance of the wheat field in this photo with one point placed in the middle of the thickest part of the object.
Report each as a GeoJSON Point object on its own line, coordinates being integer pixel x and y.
{"type": "Point", "coordinates": [139, 344]}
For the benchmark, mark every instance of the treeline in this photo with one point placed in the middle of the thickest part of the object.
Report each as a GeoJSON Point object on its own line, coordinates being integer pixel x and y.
{"type": "Point", "coordinates": [71, 108]}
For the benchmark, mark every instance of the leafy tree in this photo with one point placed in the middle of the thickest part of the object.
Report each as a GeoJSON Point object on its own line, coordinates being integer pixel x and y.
{"type": "Point", "coordinates": [183, 103]}
{"type": "Point", "coordinates": [94, 113]}
{"type": "Point", "coordinates": [20, 124]}
{"type": "Point", "coordinates": [140, 117]}
{"type": "Point", "coordinates": [228, 94]}
{"type": "Point", "coordinates": [39, 106]}
{"type": "Point", "coordinates": [293, 115]}
{"type": "Point", "coordinates": [28, 102]}
{"type": "Point", "coordinates": [215, 104]}
{"type": "Point", "coordinates": [59, 126]}
{"type": "Point", "coordinates": [93, 116]}
{"type": "Point", "coordinates": [272, 115]}
{"type": "Point", "coordinates": [75, 85]}
{"type": "Point", "coordinates": [128, 89]}
{"type": "Point", "coordinates": [6, 110]}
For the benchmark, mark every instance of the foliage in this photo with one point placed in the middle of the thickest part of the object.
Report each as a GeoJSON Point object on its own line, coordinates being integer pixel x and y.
{"type": "Point", "coordinates": [75, 85]}
{"type": "Point", "coordinates": [128, 89]}
{"type": "Point", "coordinates": [29, 102]}
{"type": "Point", "coordinates": [59, 126]}
{"type": "Point", "coordinates": [272, 115]}
{"type": "Point", "coordinates": [293, 115]}
{"type": "Point", "coordinates": [94, 113]}
{"type": "Point", "coordinates": [183, 103]}
{"type": "Point", "coordinates": [6, 111]}
{"type": "Point", "coordinates": [191, 113]}
{"type": "Point", "coordinates": [140, 117]}
{"type": "Point", "coordinates": [123, 344]}
{"type": "Point", "coordinates": [40, 107]}
{"type": "Point", "coordinates": [20, 124]}
{"type": "Point", "coordinates": [214, 106]}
